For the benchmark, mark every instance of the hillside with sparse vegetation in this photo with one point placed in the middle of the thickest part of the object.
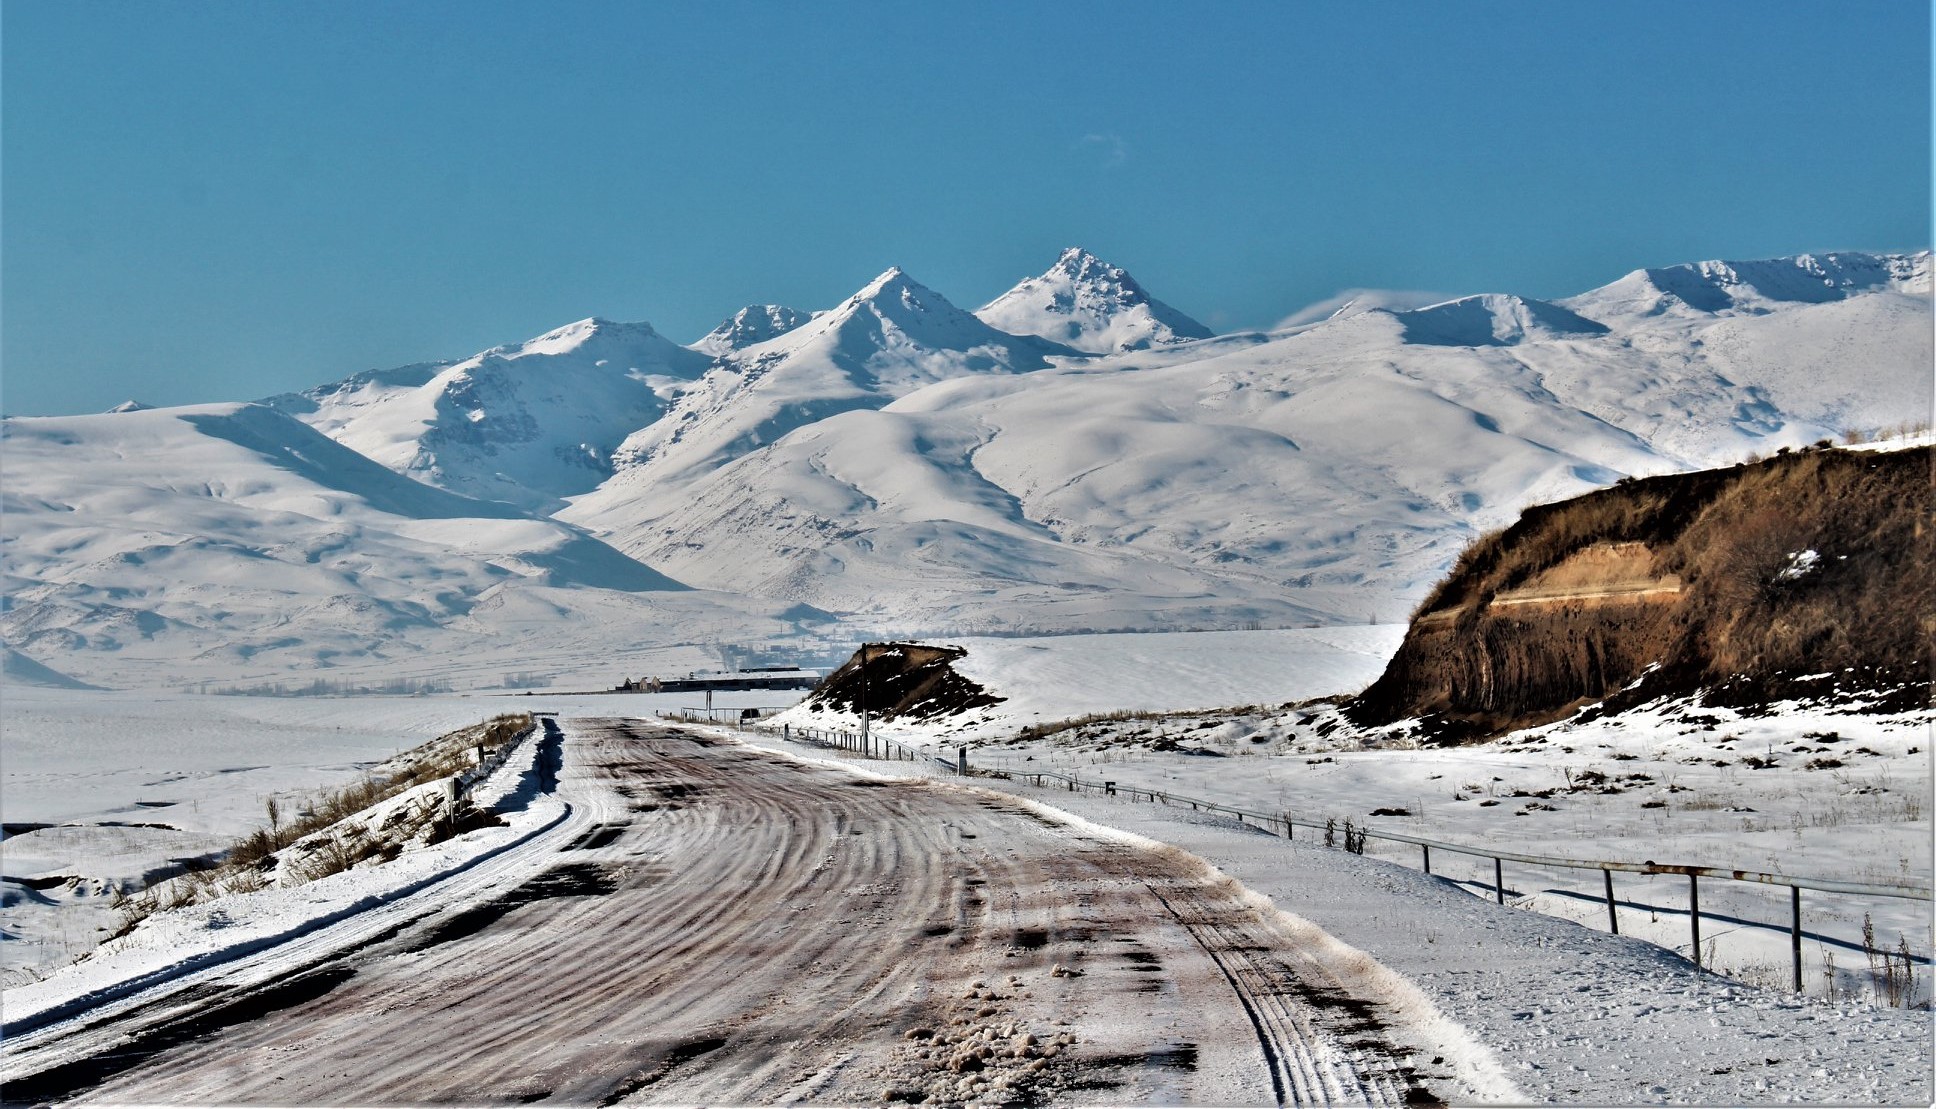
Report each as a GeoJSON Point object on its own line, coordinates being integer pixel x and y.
{"type": "Point", "coordinates": [1808, 575]}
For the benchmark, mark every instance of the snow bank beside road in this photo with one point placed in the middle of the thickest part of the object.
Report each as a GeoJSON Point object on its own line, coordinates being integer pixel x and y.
{"type": "Point", "coordinates": [178, 942]}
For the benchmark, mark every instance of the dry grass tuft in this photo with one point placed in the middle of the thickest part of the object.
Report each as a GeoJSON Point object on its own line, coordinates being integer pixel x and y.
{"type": "Point", "coordinates": [323, 838]}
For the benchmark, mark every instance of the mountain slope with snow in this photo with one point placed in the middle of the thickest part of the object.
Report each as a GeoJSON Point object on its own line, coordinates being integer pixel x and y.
{"type": "Point", "coordinates": [755, 323]}
{"type": "Point", "coordinates": [892, 337]}
{"type": "Point", "coordinates": [1330, 472]}
{"type": "Point", "coordinates": [531, 423]}
{"type": "Point", "coordinates": [1087, 304]}
{"type": "Point", "coordinates": [231, 541]}
{"type": "Point", "coordinates": [902, 460]}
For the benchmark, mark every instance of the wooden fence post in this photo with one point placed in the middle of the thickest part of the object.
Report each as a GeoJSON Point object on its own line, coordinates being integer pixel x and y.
{"type": "Point", "coordinates": [1795, 931]}
{"type": "Point", "coordinates": [1694, 913]}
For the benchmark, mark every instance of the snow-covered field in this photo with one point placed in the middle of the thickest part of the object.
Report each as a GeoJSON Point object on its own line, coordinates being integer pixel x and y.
{"type": "Point", "coordinates": [1050, 678]}
{"type": "Point", "coordinates": [1521, 1006]}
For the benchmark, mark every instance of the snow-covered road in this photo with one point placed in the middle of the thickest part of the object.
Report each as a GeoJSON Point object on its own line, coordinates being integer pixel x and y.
{"type": "Point", "coordinates": [721, 924]}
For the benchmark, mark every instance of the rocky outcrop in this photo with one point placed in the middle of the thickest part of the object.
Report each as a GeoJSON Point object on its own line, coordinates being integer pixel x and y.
{"type": "Point", "coordinates": [907, 681]}
{"type": "Point", "coordinates": [1810, 574]}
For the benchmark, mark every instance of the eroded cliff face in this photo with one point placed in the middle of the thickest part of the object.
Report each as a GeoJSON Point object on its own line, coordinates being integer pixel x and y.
{"type": "Point", "coordinates": [1806, 575]}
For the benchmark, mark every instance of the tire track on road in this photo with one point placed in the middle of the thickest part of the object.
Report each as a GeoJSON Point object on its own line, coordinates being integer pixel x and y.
{"type": "Point", "coordinates": [721, 925]}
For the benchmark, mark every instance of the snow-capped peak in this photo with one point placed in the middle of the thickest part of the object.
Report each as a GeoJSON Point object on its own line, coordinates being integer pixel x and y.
{"type": "Point", "coordinates": [895, 303]}
{"type": "Point", "coordinates": [755, 323]}
{"type": "Point", "coordinates": [894, 285]}
{"type": "Point", "coordinates": [1085, 303]}
{"type": "Point", "coordinates": [1080, 265]}
{"type": "Point", "coordinates": [572, 336]}
{"type": "Point", "coordinates": [1717, 286]}
{"type": "Point", "coordinates": [131, 406]}
{"type": "Point", "coordinates": [896, 318]}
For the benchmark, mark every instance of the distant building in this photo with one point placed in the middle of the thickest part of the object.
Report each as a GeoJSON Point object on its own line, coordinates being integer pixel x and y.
{"type": "Point", "coordinates": [755, 677]}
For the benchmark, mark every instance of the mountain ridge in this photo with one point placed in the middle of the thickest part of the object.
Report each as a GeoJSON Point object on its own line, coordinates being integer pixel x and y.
{"type": "Point", "coordinates": [899, 460]}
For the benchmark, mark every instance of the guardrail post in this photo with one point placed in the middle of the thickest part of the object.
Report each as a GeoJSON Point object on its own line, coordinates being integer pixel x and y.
{"type": "Point", "coordinates": [1795, 931]}
{"type": "Point", "coordinates": [1428, 856]}
{"type": "Point", "coordinates": [1498, 882]}
{"type": "Point", "coordinates": [1109, 788]}
{"type": "Point", "coordinates": [1694, 913]}
{"type": "Point", "coordinates": [1613, 915]}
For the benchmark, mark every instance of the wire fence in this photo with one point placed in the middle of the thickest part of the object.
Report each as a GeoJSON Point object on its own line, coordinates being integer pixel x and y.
{"type": "Point", "coordinates": [1353, 836]}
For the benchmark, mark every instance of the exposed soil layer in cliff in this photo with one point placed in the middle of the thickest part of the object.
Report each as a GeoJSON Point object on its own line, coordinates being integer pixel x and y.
{"type": "Point", "coordinates": [911, 681]}
{"type": "Point", "coordinates": [1750, 583]}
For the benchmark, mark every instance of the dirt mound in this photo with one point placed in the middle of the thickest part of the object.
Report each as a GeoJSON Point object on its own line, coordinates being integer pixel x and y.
{"type": "Point", "coordinates": [912, 681]}
{"type": "Point", "coordinates": [1810, 574]}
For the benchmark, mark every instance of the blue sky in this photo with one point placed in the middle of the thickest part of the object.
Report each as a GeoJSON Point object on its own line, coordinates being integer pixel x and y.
{"type": "Point", "coordinates": [224, 201]}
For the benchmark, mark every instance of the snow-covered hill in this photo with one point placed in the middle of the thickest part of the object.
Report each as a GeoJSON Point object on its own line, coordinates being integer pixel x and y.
{"type": "Point", "coordinates": [904, 461]}
{"type": "Point", "coordinates": [1085, 303]}
{"type": "Point", "coordinates": [1755, 287]}
{"type": "Point", "coordinates": [892, 337]}
{"type": "Point", "coordinates": [1327, 472]}
{"type": "Point", "coordinates": [530, 424]}
{"type": "Point", "coordinates": [233, 543]}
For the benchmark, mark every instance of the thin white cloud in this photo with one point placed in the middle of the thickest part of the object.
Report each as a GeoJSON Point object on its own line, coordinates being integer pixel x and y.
{"type": "Point", "coordinates": [1113, 149]}
{"type": "Point", "coordinates": [1350, 302]}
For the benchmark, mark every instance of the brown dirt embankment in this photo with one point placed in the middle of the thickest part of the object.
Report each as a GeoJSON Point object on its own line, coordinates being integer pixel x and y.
{"type": "Point", "coordinates": [914, 681]}
{"type": "Point", "coordinates": [1749, 583]}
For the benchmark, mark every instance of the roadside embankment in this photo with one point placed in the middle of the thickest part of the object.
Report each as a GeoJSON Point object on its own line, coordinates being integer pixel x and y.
{"type": "Point", "coordinates": [1808, 575]}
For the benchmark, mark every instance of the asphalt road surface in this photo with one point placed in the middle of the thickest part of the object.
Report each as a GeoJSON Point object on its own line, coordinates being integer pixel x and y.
{"type": "Point", "coordinates": [720, 924]}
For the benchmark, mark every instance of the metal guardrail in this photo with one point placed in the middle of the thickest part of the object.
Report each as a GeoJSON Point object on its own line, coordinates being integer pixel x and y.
{"type": "Point", "coordinates": [1355, 835]}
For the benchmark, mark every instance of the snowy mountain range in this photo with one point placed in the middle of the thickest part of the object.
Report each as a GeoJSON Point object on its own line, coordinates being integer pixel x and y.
{"type": "Point", "coordinates": [1074, 454]}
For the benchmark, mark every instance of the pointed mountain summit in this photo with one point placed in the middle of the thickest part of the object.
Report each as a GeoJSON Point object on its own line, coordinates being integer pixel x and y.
{"type": "Point", "coordinates": [891, 338]}
{"type": "Point", "coordinates": [530, 423]}
{"type": "Point", "coordinates": [896, 334]}
{"type": "Point", "coordinates": [1085, 303]}
{"type": "Point", "coordinates": [755, 323]}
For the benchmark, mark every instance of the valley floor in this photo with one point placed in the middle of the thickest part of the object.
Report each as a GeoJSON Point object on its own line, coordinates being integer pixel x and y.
{"type": "Point", "coordinates": [1522, 1005]}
